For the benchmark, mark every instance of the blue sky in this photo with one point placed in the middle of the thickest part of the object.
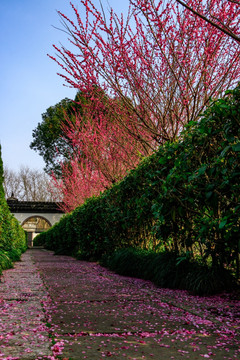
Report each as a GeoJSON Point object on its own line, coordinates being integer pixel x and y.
{"type": "Point", "coordinates": [29, 83]}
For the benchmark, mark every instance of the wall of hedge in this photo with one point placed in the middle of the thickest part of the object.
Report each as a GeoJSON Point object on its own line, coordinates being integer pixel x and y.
{"type": "Point", "coordinates": [184, 199]}
{"type": "Point", "coordinates": [12, 236]}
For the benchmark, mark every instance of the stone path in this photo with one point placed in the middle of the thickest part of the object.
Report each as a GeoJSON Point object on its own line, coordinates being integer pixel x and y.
{"type": "Point", "coordinates": [23, 334]}
{"type": "Point", "coordinates": [57, 307]}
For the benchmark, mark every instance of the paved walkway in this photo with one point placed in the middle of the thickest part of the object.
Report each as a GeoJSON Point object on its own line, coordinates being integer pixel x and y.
{"type": "Point", "coordinates": [23, 334]}
{"type": "Point", "coordinates": [57, 307]}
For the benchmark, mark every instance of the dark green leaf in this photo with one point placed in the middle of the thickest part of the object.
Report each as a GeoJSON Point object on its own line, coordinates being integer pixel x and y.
{"type": "Point", "coordinates": [236, 147]}
{"type": "Point", "coordinates": [209, 194]}
{"type": "Point", "coordinates": [222, 224]}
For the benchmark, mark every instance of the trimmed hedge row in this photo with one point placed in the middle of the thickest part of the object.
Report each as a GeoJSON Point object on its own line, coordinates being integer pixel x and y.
{"type": "Point", "coordinates": [169, 270]}
{"type": "Point", "coordinates": [184, 199]}
{"type": "Point", "coordinates": [13, 240]}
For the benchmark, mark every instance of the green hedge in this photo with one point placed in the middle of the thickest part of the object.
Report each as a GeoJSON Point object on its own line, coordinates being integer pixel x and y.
{"type": "Point", "coordinates": [170, 270]}
{"type": "Point", "coordinates": [184, 199]}
{"type": "Point", "coordinates": [12, 236]}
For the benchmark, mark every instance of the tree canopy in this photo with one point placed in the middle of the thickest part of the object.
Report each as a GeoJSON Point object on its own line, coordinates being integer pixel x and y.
{"type": "Point", "coordinates": [49, 139]}
{"type": "Point", "coordinates": [163, 58]}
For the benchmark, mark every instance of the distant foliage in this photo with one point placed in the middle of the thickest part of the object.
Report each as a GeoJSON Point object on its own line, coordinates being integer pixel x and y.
{"type": "Point", "coordinates": [12, 235]}
{"type": "Point", "coordinates": [28, 185]}
{"type": "Point", "coordinates": [184, 200]}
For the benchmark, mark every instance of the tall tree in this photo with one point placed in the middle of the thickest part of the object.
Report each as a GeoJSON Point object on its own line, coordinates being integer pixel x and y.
{"type": "Point", "coordinates": [48, 137]}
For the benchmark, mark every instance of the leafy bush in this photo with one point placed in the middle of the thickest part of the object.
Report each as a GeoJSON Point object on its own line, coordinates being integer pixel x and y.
{"type": "Point", "coordinates": [184, 199]}
{"type": "Point", "coordinates": [5, 261]}
{"type": "Point", "coordinates": [12, 236]}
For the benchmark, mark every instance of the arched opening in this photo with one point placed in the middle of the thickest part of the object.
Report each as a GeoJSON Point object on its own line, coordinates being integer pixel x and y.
{"type": "Point", "coordinates": [35, 225]}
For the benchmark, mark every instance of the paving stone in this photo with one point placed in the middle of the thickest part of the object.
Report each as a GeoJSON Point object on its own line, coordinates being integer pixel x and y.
{"type": "Point", "coordinates": [123, 346]}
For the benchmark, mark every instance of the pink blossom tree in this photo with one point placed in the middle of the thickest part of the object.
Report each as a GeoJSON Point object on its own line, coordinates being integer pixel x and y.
{"type": "Point", "coordinates": [163, 61]}
{"type": "Point", "coordinates": [159, 68]}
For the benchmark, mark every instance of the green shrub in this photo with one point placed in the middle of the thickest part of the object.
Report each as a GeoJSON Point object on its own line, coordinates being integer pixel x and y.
{"type": "Point", "coordinates": [203, 280]}
{"type": "Point", "coordinates": [5, 261]}
{"type": "Point", "coordinates": [12, 236]}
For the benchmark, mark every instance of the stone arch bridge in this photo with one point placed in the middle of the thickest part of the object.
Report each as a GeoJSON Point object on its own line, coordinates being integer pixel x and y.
{"type": "Point", "coordinates": [35, 216]}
